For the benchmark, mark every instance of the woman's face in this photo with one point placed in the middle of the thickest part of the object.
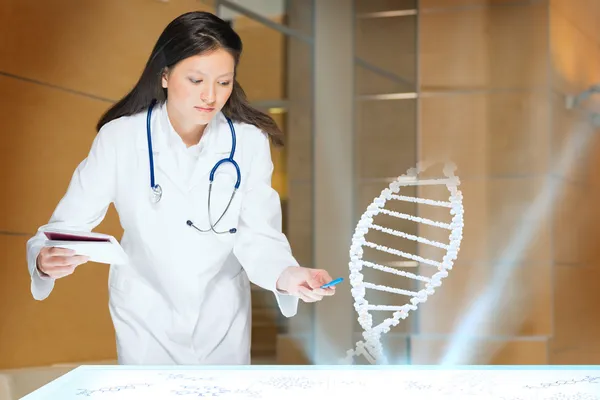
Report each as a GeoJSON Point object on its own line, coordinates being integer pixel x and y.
{"type": "Point", "coordinates": [198, 87]}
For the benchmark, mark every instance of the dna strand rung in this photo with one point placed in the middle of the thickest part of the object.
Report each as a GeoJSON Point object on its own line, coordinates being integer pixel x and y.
{"type": "Point", "coordinates": [409, 236]}
{"type": "Point", "coordinates": [420, 285]}
{"type": "Point", "coordinates": [390, 289]}
{"type": "Point", "coordinates": [418, 200]}
{"type": "Point", "coordinates": [420, 220]}
{"type": "Point", "coordinates": [394, 271]}
{"type": "Point", "coordinates": [371, 307]}
{"type": "Point", "coordinates": [402, 254]}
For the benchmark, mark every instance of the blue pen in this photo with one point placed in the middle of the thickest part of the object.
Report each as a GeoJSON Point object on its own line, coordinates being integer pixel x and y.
{"type": "Point", "coordinates": [332, 283]}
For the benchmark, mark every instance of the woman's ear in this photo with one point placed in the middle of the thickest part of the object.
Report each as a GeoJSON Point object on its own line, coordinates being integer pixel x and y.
{"type": "Point", "coordinates": [165, 78]}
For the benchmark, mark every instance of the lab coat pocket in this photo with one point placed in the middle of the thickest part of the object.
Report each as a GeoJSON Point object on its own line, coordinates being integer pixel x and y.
{"type": "Point", "coordinates": [130, 294]}
{"type": "Point", "coordinates": [131, 305]}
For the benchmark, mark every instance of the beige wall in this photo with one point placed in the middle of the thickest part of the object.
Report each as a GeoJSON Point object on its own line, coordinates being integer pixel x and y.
{"type": "Point", "coordinates": [484, 67]}
{"type": "Point", "coordinates": [498, 74]}
{"type": "Point", "coordinates": [81, 56]}
{"type": "Point", "coordinates": [492, 75]}
{"type": "Point", "coordinates": [575, 57]}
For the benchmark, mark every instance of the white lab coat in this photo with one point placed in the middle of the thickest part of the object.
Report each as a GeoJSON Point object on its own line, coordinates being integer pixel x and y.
{"type": "Point", "coordinates": [184, 296]}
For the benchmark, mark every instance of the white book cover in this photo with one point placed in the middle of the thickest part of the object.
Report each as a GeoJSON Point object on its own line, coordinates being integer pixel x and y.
{"type": "Point", "coordinates": [100, 247]}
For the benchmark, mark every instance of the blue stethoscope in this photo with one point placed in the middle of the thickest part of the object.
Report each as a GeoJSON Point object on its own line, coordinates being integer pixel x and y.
{"type": "Point", "coordinates": [156, 190]}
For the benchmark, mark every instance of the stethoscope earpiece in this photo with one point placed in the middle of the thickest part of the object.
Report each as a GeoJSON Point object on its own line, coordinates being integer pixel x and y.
{"type": "Point", "coordinates": [156, 190]}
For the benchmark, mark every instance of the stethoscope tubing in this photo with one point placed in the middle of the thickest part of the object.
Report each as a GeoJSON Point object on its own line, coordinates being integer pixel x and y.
{"type": "Point", "coordinates": [156, 189]}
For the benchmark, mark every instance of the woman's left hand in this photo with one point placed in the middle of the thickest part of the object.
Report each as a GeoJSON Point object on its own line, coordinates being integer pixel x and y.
{"type": "Point", "coordinates": [305, 283]}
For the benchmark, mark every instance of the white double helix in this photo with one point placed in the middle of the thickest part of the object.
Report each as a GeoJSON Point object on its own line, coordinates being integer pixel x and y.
{"type": "Point", "coordinates": [431, 271]}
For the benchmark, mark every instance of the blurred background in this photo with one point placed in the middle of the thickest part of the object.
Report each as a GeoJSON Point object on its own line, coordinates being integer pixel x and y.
{"type": "Point", "coordinates": [364, 89]}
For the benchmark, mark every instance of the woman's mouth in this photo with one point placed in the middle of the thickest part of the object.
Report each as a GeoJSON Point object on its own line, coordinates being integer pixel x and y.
{"type": "Point", "coordinates": [205, 109]}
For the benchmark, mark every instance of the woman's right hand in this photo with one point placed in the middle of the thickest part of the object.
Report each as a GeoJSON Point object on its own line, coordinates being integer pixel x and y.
{"type": "Point", "coordinates": [57, 262]}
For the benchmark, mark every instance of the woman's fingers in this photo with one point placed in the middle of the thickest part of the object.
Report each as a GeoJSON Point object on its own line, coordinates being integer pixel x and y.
{"type": "Point", "coordinates": [61, 261]}
{"type": "Point", "coordinates": [58, 251]}
{"type": "Point", "coordinates": [318, 278]}
{"type": "Point", "coordinates": [309, 295]}
{"type": "Point", "coordinates": [324, 292]}
{"type": "Point", "coordinates": [58, 262]}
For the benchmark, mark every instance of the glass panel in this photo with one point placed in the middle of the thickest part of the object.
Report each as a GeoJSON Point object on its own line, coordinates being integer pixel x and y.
{"type": "Point", "coordinates": [384, 65]}
{"type": "Point", "coordinates": [386, 147]}
{"type": "Point", "coordinates": [300, 16]}
{"type": "Point", "coordinates": [281, 12]}
{"type": "Point", "coordinates": [378, 6]}
{"type": "Point", "coordinates": [385, 138]}
{"type": "Point", "coordinates": [278, 154]}
{"type": "Point", "coordinates": [299, 159]}
{"type": "Point", "coordinates": [271, 9]}
{"type": "Point", "coordinates": [262, 67]}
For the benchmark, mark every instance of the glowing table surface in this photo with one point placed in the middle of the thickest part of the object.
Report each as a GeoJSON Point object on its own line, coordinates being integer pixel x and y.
{"type": "Point", "coordinates": [325, 382]}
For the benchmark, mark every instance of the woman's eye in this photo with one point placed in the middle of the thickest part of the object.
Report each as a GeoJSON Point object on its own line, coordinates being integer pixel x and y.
{"type": "Point", "coordinates": [195, 80]}
{"type": "Point", "coordinates": [225, 83]}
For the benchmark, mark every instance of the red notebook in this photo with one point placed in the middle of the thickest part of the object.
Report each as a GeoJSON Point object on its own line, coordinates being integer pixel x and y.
{"type": "Point", "coordinates": [74, 237]}
{"type": "Point", "coordinates": [99, 247]}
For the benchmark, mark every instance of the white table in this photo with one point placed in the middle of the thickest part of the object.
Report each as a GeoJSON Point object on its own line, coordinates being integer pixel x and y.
{"type": "Point", "coordinates": [330, 382]}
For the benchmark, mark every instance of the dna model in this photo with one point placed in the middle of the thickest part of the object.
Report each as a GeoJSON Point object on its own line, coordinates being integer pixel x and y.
{"type": "Point", "coordinates": [365, 252]}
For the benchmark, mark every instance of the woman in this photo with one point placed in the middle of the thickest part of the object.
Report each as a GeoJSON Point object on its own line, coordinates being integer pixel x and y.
{"type": "Point", "coordinates": [184, 295]}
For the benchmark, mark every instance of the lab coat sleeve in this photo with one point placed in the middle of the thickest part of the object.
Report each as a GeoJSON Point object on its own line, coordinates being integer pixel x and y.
{"type": "Point", "coordinates": [261, 247]}
{"type": "Point", "coordinates": [82, 208]}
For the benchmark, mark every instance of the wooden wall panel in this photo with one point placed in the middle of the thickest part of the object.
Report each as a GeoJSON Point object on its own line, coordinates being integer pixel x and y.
{"type": "Point", "coordinates": [487, 62]}
{"type": "Point", "coordinates": [574, 55]}
{"type": "Point", "coordinates": [453, 49]}
{"type": "Point", "coordinates": [97, 47]}
{"type": "Point", "coordinates": [47, 133]}
{"type": "Point", "coordinates": [72, 325]}
{"type": "Point", "coordinates": [575, 61]}
{"type": "Point", "coordinates": [262, 66]}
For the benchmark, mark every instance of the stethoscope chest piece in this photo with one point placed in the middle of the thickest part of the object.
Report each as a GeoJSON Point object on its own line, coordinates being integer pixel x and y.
{"type": "Point", "coordinates": [156, 194]}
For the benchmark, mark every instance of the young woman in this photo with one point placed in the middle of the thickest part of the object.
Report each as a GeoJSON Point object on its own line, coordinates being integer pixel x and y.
{"type": "Point", "coordinates": [186, 161]}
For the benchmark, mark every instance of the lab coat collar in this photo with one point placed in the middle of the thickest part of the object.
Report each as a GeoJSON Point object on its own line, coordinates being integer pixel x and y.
{"type": "Point", "coordinates": [216, 137]}
{"type": "Point", "coordinates": [216, 144]}
{"type": "Point", "coordinates": [213, 140]}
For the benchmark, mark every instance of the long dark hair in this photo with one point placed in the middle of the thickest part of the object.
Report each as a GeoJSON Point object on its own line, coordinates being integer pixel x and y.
{"type": "Point", "coordinates": [188, 35]}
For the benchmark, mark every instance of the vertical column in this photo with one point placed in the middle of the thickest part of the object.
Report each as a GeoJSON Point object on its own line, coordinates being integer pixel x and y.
{"type": "Point", "coordinates": [333, 170]}
{"type": "Point", "coordinates": [295, 345]}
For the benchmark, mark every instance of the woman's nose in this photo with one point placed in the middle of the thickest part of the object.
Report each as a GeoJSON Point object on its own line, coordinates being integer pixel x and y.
{"type": "Point", "coordinates": [208, 96]}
